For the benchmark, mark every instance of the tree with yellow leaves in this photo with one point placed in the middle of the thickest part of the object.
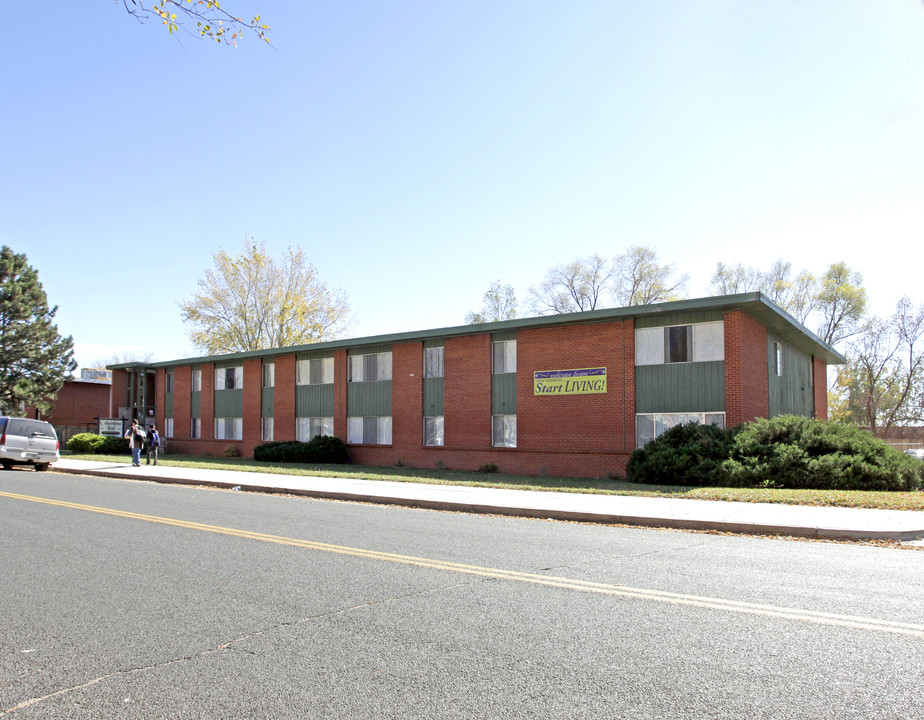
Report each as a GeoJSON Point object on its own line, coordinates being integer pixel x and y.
{"type": "Point", "coordinates": [211, 19]}
{"type": "Point", "coordinates": [253, 302]}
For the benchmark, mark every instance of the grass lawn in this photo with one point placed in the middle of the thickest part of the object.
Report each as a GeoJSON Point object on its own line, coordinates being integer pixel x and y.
{"type": "Point", "coordinates": [840, 498]}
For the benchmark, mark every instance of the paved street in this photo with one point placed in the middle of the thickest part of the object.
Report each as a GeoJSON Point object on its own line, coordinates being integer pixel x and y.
{"type": "Point", "coordinates": [125, 599]}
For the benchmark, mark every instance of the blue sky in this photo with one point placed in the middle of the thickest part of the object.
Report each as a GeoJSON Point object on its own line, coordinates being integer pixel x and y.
{"type": "Point", "coordinates": [419, 151]}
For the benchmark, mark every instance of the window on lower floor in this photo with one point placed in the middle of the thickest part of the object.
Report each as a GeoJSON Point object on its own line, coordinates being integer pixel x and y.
{"type": "Point", "coordinates": [433, 430]}
{"type": "Point", "coordinates": [266, 429]}
{"type": "Point", "coordinates": [229, 428]}
{"type": "Point", "coordinates": [369, 430]}
{"type": "Point", "coordinates": [307, 428]}
{"type": "Point", "coordinates": [504, 431]}
{"type": "Point", "coordinates": [649, 425]}
{"type": "Point", "coordinates": [195, 428]}
{"type": "Point", "coordinates": [168, 427]}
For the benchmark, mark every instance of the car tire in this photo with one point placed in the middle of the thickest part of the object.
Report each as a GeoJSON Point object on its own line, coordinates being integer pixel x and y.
{"type": "Point", "coordinates": [7, 465]}
{"type": "Point", "coordinates": [41, 467]}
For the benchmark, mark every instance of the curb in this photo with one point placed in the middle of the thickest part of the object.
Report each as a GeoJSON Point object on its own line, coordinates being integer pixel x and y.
{"type": "Point", "coordinates": [743, 527]}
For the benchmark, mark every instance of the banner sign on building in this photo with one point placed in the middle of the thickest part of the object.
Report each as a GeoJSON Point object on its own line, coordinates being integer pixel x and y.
{"type": "Point", "coordinates": [584, 381]}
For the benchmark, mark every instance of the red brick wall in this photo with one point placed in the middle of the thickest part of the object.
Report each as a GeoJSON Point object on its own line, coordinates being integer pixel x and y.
{"type": "Point", "coordinates": [182, 407]}
{"type": "Point", "coordinates": [207, 405]}
{"type": "Point", "coordinates": [117, 392]}
{"type": "Point", "coordinates": [407, 399]}
{"type": "Point", "coordinates": [747, 393]}
{"type": "Point", "coordinates": [820, 387]}
{"type": "Point", "coordinates": [77, 404]}
{"type": "Point", "coordinates": [284, 398]}
{"type": "Point", "coordinates": [341, 374]}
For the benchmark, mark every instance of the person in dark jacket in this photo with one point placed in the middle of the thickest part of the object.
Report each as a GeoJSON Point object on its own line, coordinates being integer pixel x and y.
{"type": "Point", "coordinates": [152, 444]}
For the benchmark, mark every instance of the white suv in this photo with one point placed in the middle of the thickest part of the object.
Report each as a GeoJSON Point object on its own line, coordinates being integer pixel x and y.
{"type": "Point", "coordinates": [27, 442]}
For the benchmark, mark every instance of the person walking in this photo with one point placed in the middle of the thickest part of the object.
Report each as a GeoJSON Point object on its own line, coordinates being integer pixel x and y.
{"type": "Point", "coordinates": [152, 444]}
{"type": "Point", "coordinates": [135, 435]}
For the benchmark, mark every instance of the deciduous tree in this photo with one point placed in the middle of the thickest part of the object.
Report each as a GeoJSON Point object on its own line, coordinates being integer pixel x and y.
{"type": "Point", "coordinates": [211, 19]}
{"type": "Point", "coordinates": [639, 279]}
{"type": "Point", "coordinates": [498, 303]}
{"type": "Point", "coordinates": [252, 301]}
{"type": "Point", "coordinates": [575, 287]}
{"type": "Point", "coordinates": [883, 383]}
{"type": "Point", "coordinates": [34, 358]}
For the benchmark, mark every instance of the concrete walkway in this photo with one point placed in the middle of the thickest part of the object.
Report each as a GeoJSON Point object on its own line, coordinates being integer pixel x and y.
{"type": "Point", "coordinates": [762, 518]}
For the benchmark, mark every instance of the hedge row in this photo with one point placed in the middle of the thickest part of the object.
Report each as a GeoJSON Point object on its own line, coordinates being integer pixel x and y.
{"type": "Point", "coordinates": [789, 451]}
{"type": "Point", "coordinates": [320, 449]}
{"type": "Point", "coordinates": [97, 444]}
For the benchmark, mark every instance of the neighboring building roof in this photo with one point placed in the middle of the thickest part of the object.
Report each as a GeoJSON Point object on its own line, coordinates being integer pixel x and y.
{"type": "Point", "coordinates": [755, 304]}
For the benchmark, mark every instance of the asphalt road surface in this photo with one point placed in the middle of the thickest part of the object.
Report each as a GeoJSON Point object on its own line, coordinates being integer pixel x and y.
{"type": "Point", "coordinates": [125, 599]}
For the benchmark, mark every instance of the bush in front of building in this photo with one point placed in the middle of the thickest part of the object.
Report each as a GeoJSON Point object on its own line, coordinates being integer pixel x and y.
{"type": "Point", "coordinates": [97, 444]}
{"type": "Point", "coordinates": [688, 454]}
{"type": "Point", "coordinates": [792, 451]}
{"type": "Point", "coordinates": [789, 451]}
{"type": "Point", "coordinates": [320, 449]}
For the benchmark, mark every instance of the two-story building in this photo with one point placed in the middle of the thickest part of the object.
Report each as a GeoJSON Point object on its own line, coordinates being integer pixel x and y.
{"type": "Point", "coordinates": [566, 395]}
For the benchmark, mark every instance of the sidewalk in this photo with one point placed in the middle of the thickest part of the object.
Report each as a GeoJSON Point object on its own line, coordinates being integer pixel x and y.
{"type": "Point", "coordinates": [758, 518]}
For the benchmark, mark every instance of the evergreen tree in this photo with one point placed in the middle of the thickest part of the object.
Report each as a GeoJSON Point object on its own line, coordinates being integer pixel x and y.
{"type": "Point", "coordinates": [34, 358]}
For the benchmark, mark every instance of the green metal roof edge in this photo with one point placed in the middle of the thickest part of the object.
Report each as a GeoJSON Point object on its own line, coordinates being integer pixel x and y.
{"type": "Point", "coordinates": [754, 304]}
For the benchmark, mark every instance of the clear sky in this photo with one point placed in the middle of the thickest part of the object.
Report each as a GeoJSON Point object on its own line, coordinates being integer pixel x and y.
{"type": "Point", "coordinates": [419, 151]}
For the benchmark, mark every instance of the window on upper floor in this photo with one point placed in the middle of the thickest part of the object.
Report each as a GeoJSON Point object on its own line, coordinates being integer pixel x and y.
{"type": "Point", "coordinates": [231, 378]}
{"type": "Point", "coordinates": [778, 359]}
{"type": "Point", "coordinates": [269, 374]}
{"type": "Point", "coordinates": [697, 342]}
{"type": "Point", "coordinates": [370, 368]}
{"type": "Point", "coordinates": [505, 356]}
{"type": "Point", "coordinates": [433, 362]}
{"type": "Point", "coordinates": [315, 371]}
{"type": "Point", "coordinates": [196, 380]}
{"type": "Point", "coordinates": [168, 382]}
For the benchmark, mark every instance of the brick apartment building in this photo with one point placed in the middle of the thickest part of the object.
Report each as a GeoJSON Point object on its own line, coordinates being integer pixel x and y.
{"type": "Point", "coordinates": [80, 403]}
{"type": "Point", "coordinates": [560, 395]}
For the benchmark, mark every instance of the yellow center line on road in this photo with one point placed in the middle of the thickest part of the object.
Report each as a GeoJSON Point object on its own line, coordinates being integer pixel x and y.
{"type": "Point", "coordinates": [860, 623]}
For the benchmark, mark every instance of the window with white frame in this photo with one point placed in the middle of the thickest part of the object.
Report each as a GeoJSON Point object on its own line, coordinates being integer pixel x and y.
{"type": "Point", "coordinates": [315, 371]}
{"type": "Point", "coordinates": [698, 342]}
{"type": "Point", "coordinates": [371, 367]}
{"type": "Point", "coordinates": [195, 428]}
{"type": "Point", "coordinates": [168, 427]}
{"type": "Point", "coordinates": [231, 378]}
{"type": "Point", "coordinates": [649, 425]}
{"type": "Point", "coordinates": [433, 430]}
{"type": "Point", "coordinates": [504, 431]}
{"type": "Point", "coordinates": [229, 428]}
{"type": "Point", "coordinates": [197, 380]}
{"type": "Point", "coordinates": [307, 428]}
{"type": "Point", "coordinates": [505, 356]}
{"type": "Point", "coordinates": [778, 359]}
{"type": "Point", "coordinates": [433, 362]}
{"type": "Point", "coordinates": [269, 374]}
{"type": "Point", "coordinates": [168, 382]}
{"type": "Point", "coordinates": [369, 430]}
{"type": "Point", "coordinates": [266, 429]}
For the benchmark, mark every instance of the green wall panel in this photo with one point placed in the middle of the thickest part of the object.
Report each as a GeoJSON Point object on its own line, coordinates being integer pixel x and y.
{"type": "Point", "coordinates": [195, 404]}
{"type": "Point", "coordinates": [790, 394]}
{"type": "Point", "coordinates": [369, 398]}
{"type": "Point", "coordinates": [687, 317]}
{"type": "Point", "coordinates": [680, 387]}
{"type": "Point", "coordinates": [314, 400]}
{"type": "Point", "coordinates": [168, 405]}
{"type": "Point", "coordinates": [433, 396]}
{"type": "Point", "coordinates": [229, 403]}
{"type": "Point", "coordinates": [504, 394]}
{"type": "Point", "coordinates": [267, 402]}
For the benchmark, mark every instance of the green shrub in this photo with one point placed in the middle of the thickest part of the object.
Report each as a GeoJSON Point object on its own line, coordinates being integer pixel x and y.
{"type": "Point", "coordinates": [114, 446]}
{"type": "Point", "coordinates": [686, 454]}
{"type": "Point", "coordinates": [320, 449]}
{"type": "Point", "coordinates": [488, 468]}
{"type": "Point", "coordinates": [85, 443]}
{"type": "Point", "coordinates": [791, 451]}
{"type": "Point", "coordinates": [97, 444]}
{"type": "Point", "coordinates": [232, 451]}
